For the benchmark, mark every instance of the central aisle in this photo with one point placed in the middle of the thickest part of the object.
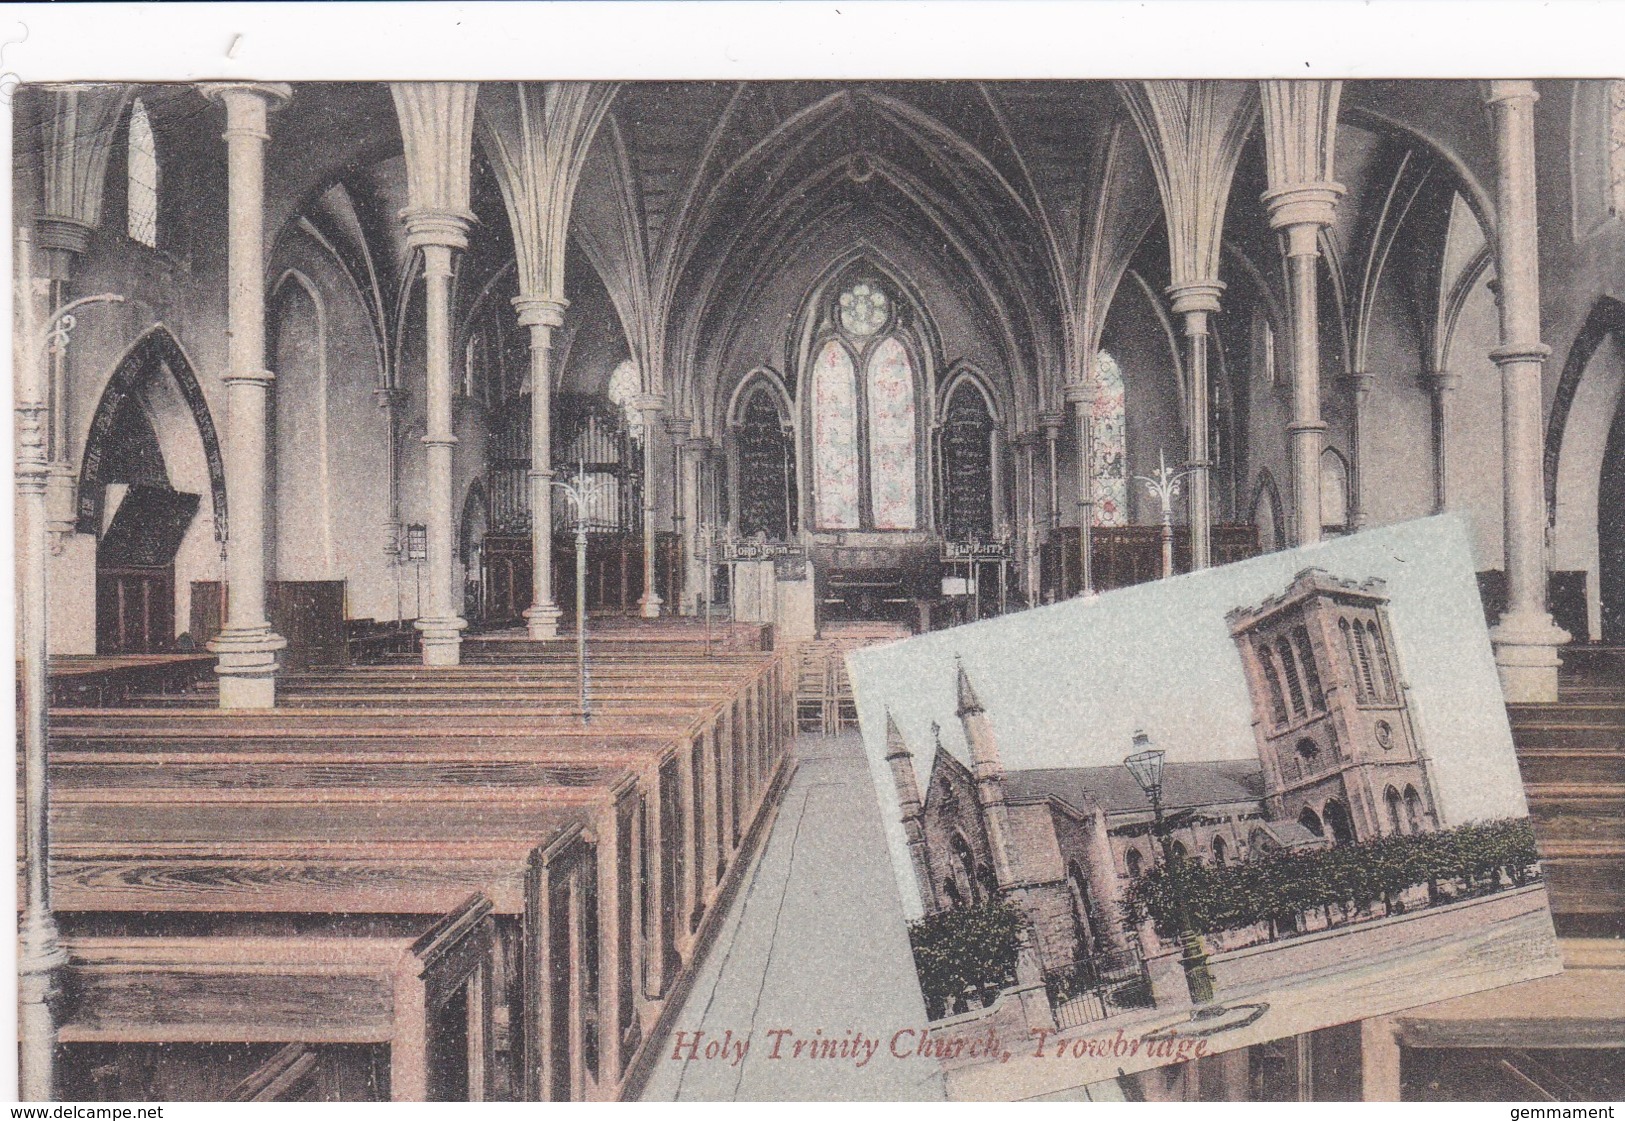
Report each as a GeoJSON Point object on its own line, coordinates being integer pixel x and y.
{"type": "Point", "coordinates": [816, 944]}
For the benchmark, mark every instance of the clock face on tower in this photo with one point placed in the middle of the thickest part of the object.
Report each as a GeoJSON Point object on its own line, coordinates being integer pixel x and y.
{"type": "Point", "coordinates": [1385, 735]}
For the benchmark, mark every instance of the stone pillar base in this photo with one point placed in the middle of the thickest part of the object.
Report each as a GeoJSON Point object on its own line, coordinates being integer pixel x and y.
{"type": "Point", "coordinates": [542, 620]}
{"type": "Point", "coordinates": [649, 606]}
{"type": "Point", "coordinates": [40, 957]}
{"type": "Point", "coordinates": [442, 641]}
{"type": "Point", "coordinates": [245, 663]}
{"type": "Point", "coordinates": [1526, 656]}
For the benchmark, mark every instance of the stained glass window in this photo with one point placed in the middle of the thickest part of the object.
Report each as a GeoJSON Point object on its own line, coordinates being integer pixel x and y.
{"type": "Point", "coordinates": [624, 388]}
{"type": "Point", "coordinates": [835, 438]}
{"type": "Point", "coordinates": [864, 310]}
{"type": "Point", "coordinates": [1110, 444]}
{"type": "Point", "coordinates": [143, 177]}
{"type": "Point", "coordinates": [891, 436]}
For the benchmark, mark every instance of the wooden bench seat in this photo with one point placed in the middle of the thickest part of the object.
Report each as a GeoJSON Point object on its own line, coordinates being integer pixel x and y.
{"type": "Point", "coordinates": [425, 997]}
{"type": "Point", "coordinates": [604, 848]}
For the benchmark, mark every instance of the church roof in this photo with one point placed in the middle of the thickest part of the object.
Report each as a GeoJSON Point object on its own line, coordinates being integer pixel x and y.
{"type": "Point", "coordinates": [1184, 785]}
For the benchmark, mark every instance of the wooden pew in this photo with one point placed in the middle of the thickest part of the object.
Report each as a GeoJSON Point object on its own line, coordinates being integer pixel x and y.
{"type": "Point", "coordinates": [317, 813]}
{"type": "Point", "coordinates": [427, 998]}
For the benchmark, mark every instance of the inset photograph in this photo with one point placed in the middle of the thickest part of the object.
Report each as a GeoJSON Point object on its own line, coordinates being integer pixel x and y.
{"type": "Point", "coordinates": [1164, 823]}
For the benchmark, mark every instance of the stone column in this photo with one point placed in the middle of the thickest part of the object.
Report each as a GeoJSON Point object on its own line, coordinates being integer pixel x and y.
{"type": "Point", "coordinates": [1525, 639]}
{"type": "Point", "coordinates": [1080, 395]}
{"type": "Point", "coordinates": [650, 405]}
{"type": "Point", "coordinates": [439, 234]}
{"type": "Point", "coordinates": [1196, 302]}
{"type": "Point", "coordinates": [1026, 467]}
{"type": "Point", "coordinates": [678, 429]}
{"type": "Point", "coordinates": [40, 952]}
{"type": "Point", "coordinates": [1359, 384]}
{"type": "Point", "coordinates": [1052, 435]}
{"type": "Point", "coordinates": [1300, 212]}
{"type": "Point", "coordinates": [62, 242]}
{"type": "Point", "coordinates": [694, 453]}
{"type": "Point", "coordinates": [246, 647]}
{"type": "Point", "coordinates": [1441, 384]}
{"type": "Point", "coordinates": [541, 316]}
{"type": "Point", "coordinates": [391, 399]}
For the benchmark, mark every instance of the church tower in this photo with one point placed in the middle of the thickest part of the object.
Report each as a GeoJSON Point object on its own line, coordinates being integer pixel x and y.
{"type": "Point", "coordinates": [988, 769]}
{"type": "Point", "coordinates": [1331, 712]}
{"type": "Point", "coordinates": [912, 808]}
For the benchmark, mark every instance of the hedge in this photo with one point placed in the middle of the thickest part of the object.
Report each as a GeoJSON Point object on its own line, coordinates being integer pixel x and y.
{"type": "Point", "coordinates": [1278, 888]}
{"type": "Point", "coordinates": [966, 952]}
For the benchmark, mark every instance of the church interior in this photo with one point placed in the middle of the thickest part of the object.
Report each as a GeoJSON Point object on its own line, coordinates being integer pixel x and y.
{"type": "Point", "coordinates": [442, 505]}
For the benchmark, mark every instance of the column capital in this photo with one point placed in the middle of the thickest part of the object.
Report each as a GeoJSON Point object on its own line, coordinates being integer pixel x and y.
{"type": "Point", "coordinates": [247, 104]}
{"type": "Point", "coordinates": [428, 227]}
{"type": "Point", "coordinates": [1441, 381]}
{"type": "Point", "coordinates": [59, 233]}
{"type": "Point", "coordinates": [1080, 392]}
{"type": "Point", "coordinates": [389, 397]}
{"type": "Point", "coordinates": [1510, 89]}
{"type": "Point", "coordinates": [679, 426]}
{"type": "Point", "coordinates": [1525, 352]}
{"type": "Point", "coordinates": [274, 95]}
{"type": "Point", "coordinates": [540, 311]}
{"type": "Point", "coordinates": [1303, 204]}
{"type": "Point", "coordinates": [1196, 295]}
{"type": "Point", "coordinates": [647, 403]}
{"type": "Point", "coordinates": [1052, 424]}
{"type": "Point", "coordinates": [1359, 381]}
{"type": "Point", "coordinates": [699, 445]}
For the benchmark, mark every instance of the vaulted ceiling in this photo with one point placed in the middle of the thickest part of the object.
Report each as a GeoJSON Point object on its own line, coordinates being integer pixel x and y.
{"type": "Point", "coordinates": [1036, 195]}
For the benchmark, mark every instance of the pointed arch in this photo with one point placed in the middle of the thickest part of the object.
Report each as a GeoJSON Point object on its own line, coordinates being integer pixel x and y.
{"type": "Point", "coordinates": [473, 523]}
{"type": "Point", "coordinates": [762, 378]}
{"type": "Point", "coordinates": [965, 455]}
{"type": "Point", "coordinates": [867, 400]}
{"type": "Point", "coordinates": [1334, 490]}
{"type": "Point", "coordinates": [762, 441]}
{"type": "Point", "coordinates": [1336, 816]}
{"type": "Point", "coordinates": [154, 351]}
{"type": "Point", "coordinates": [1606, 318]}
{"type": "Point", "coordinates": [1267, 513]}
{"type": "Point", "coordinates": [835, 437]}
{"type": "Point", "coordinates": [283, 409]}
{"type": "Point", "coordinates": [1310, 820]}
{"type": "Point", "coordinates": [1415, 813]}
{"type": "Point", "coordinates": [1396, 812]}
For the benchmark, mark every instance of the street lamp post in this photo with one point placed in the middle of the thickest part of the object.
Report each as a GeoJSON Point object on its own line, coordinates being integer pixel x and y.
{"type": "Point", "coordinates": [1164, 487]}
{"type": "Point", "coordinates": [1146, 767]}
{"type": "Point", "coordinates": [580, 494]}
